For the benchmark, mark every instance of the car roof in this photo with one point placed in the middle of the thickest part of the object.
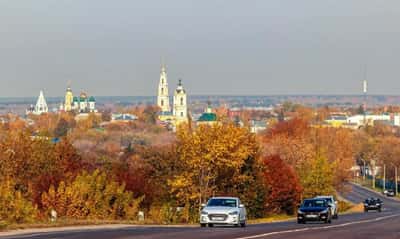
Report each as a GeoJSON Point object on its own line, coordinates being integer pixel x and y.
{"type": "Point", "coordinates": [224, 198]}
{"type": "Point", "coordinates": [314, 199]}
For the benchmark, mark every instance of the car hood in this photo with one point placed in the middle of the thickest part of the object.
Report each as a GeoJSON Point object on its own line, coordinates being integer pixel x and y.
{"type": "Point", "coordinates": [220, 209]}
{"type": "Point", "coordinates": [312, 209]}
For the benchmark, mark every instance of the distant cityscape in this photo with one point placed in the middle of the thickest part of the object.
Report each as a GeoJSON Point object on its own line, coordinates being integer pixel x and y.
{"type": "Point", "coordinates": [18, 105]}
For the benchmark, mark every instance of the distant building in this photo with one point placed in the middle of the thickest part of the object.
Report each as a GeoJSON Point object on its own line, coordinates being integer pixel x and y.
{"type": "Point", "coordinates": [163, 96]}
{"type": "Point", "coordinates": [123, 117]}
{"type": "Point", "coordinates": [69, 97]}
{"type": "Point", "coordinates": [179, 112]}
{"type": "Point", "coordinates": [361, 120]}
{"type": "Point", "coordinates": [40, 107]}
{"type": "Point", "coordinates": [336, 120]}
{"type": "Point", "coordinates": [208, 117]}
{"type": "Point", "coordinates": [234, 112]}
{"type": "Point", "coordinates": [258, 126]}
{"type": "Point", "coordinates": [84, 104]}
{"type": "Point", "coordinates": [81, 104]}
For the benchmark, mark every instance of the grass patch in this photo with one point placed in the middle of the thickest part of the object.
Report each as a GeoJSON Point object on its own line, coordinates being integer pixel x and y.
{"type": "Point", "coordinates": [344, 206]}
{"type": "Point", "coordinates": [61, 223]}
{"type": "Point", "coordinates": [3, 225]}
{"type": "Point", "coordinates": [272, 218]}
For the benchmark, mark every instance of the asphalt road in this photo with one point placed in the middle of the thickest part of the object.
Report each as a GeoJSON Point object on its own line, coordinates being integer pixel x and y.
{"type": "Point", "coordinates": [369, 225]}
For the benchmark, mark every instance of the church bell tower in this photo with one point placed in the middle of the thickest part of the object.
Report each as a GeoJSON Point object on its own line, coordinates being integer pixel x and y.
{"type": "Point", "coordinates": [163, 96]}
{"type": "Point", "coordinates": [180, 104]}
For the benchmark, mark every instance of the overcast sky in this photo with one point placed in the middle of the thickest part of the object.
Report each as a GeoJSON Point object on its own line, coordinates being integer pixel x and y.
{"type": "Point", "coordinates": [217, 47]}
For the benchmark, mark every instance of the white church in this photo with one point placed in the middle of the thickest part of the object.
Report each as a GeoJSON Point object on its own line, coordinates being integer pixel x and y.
{"type": "Point", "coordinates": [40, 107]}
{"type": "Point", "coordinates": [179, 112]}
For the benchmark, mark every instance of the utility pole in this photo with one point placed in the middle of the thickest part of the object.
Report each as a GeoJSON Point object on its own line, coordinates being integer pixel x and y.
{"type": "Point", "coordinates": [384, 177]}
{"type": "Point", "coordinates": [395, 180]}
{"type": "Point", "coordinates": [365, 89]}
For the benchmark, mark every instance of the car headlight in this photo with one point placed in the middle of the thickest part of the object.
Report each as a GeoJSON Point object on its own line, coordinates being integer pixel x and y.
{"type": "Point", "coordinates": [299, 211]}
{"type": "Point", "coordinates": [234, 213]}
{"type": "Point", "coordinates": [204, 213]}
{"type": "Point", "coordinates": [324, 211]}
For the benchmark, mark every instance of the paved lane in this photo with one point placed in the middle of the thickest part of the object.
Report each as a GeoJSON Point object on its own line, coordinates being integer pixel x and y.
{"type": "Point", "coordinates": [360, 225]}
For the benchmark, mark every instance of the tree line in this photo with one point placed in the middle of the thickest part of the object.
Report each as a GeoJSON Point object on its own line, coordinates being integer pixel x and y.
{"type": "Point", "coordinates": [169, 180]}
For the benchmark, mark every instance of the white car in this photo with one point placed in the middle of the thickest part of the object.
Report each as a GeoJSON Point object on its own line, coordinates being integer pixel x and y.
{"type": "Point", "coordinates": [223, 211]}
{"type": "Point", "coordinates": [333, 205]}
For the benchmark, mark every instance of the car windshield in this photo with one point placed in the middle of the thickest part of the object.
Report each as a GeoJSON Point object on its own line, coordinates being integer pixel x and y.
{"type": "Point", "coordinates": [314, 203]}
{"type": "Point", "coordinates": [329, 200]}
{"type": "Point", "coordinates": [221, 202]}
{"type": "Point", "coordinates": [372, 200]}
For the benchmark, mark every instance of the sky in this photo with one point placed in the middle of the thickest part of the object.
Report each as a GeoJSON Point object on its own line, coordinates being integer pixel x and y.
{"type": "Point", "coordinates": [257, 47]}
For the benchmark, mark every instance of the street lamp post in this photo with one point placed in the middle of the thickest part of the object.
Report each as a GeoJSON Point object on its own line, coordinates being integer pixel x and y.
{"type": "Point", "coordinates": [373, 169]}
{"type": "Point", "coordinates": [364, 168]}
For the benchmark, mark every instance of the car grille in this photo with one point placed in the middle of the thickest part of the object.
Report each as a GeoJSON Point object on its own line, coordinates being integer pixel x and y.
{"type": "Point", "coordinates": [312, 213]}
{"type": "Point", "coordinates": [217, 217]}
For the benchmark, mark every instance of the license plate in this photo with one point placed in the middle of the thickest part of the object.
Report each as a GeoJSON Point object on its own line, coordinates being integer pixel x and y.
{"type": "Point", "coordinates": [217, 218]}
{"type": "Point", "coordinates": [312, 216]}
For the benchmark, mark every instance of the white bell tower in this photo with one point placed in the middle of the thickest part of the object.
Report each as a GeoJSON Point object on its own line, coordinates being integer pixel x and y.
{"type": "Point", "coordinates": [180, 104]}
{"type": "Point", "coordinates": [163, 96]}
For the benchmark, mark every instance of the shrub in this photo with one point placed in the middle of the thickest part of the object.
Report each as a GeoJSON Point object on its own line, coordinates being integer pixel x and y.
{"type": "Point", "coordinates": [92, 196]}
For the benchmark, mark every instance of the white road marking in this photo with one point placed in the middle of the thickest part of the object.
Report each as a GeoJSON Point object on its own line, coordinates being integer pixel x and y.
{"type": "Point", "coordinates": [318, 228]}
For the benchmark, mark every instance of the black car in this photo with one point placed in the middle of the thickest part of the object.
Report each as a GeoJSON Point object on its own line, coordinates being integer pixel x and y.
{"type": "Point", "coordinates": [314, 210]}
{"type": "Point", "coordinates": [373, 204]}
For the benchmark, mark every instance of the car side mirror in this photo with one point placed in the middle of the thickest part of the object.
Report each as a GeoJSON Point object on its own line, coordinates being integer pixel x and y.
{"type": "Point", "coordinates": [241, 206]}
{"type": "Point", "coordinates": [203, 205]}
{"type": "Point", "coordinates": [329, 205]}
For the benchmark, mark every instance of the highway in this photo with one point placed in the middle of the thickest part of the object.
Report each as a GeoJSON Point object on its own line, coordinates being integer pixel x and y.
{"type": "Point", "coordinates": [358, 226]}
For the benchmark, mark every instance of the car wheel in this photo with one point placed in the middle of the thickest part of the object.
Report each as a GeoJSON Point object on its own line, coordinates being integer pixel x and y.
{"type": "Point", "coordinates": [336, 216]}
{"type": "Point", "coordinates": [210, 225]}
{"type": "Point", "coordinates": [379, 210]}
{"type": "Point", "coordinates": [243, 224]}
{"type": "Point", "coordinates": [328, 219]}
{"type": "Point", "coordinates": [203, 225]}
{"type": "Point", "coordinates": [301, 221]}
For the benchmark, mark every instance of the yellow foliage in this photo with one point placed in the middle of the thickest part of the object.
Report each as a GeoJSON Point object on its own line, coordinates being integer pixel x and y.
{"type": "Point", "coordinates": [14, 208]}
{"type": "Point", "coordinates": [92, 196]}
{"type": "Point", "coordinates": [212, 159]}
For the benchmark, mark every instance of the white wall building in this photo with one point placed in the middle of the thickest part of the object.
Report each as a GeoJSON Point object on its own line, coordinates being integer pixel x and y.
{"type": "Point", "coordinates": [369, 119]}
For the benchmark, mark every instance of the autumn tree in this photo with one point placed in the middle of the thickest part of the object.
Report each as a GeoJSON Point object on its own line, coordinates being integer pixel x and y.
{"type": "Point", "coordinates": [212, 158]}
{"type": "Point", "coordinates": [14, 207]}
{"type": "Point", "coordinates": [283, 189]}
{"type": "Point", "coordinates": [317, 177]}
{"type": "Point", "coordinates": [62, 128]}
